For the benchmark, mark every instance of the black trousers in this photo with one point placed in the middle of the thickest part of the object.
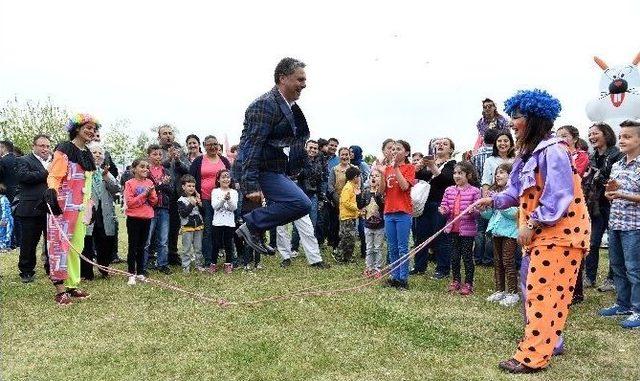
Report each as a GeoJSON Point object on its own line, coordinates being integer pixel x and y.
{"type": "Point", "coordinates": [333, 236]}
{"type": "Point", "coordinates": [462, 248]}
{"type": "Point", "coordinates": [32, 229]}
{"type": "Point", "coordinates": [223, 238]}
{"type": "Point", "coordinates": [138, 231]}
{"type": "Point", "coordinates": [97, 247]}
{"type": "Point", "coordinates": [174, 232]}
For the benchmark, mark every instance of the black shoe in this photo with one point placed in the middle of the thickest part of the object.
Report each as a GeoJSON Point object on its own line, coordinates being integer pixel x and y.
{"type": "Point", "coordinates": [251, 239]}
{"type": "Point", "coordinates": [416, 272]}
{"type": "Point", "coordinates": [402, 285]}
{"type": "Point", "coordinates": [165, 270]}
{"type": "Point", "coordinates": [117, 259]}
{"type": "Point", "coordinates": [390, 283]}
{"type": "Point", "coordinates": [321, 265]}
{"type": "Point", "coordinates": [270, 250]}
{"type": "Point", "coordinates": [439, 276]}
{"type": "Point", "coordinates": [27, 278]}
{"type": "Point", "coordinates": [285, 263]}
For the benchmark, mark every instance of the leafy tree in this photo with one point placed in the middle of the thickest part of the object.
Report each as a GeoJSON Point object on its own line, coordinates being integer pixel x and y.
{"type": "Point", "coordinates": [369, 158]}
{"type": "Point", "coordinates": [118, 142]}
{"type": "Point", "coordinates": [140, 148]}
{"type": "Point", "coordinates": [20, 121]}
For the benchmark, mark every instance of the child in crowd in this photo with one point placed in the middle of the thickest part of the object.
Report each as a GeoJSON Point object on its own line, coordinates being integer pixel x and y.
{"type": "Point", "coordinates": [141, 197]}
{"type": "Point", "coordinates": [503, 227]}
{"type": "Point", "coordinates": [456, 199]}
{"type": "Point", "coordinates": [224, 201]}
{"type": "Point", "coordinates": [399, 177]}
{"type": "Point", "coordinates": [6, 220]}
{"type": "Point", "coordinates": [159, 228]}
{"type": "Point", "coordinates": [623, 189]}
{"type": "Point", "coordinates": [348, 215]}
{"type": "Point", "coordinates": [371, 202]}
{"type": "Point", "coordinates": [189, 205]}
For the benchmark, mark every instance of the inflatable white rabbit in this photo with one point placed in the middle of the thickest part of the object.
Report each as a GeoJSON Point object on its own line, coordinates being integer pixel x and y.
{"type": "Point", "coordinates": [619, 98]}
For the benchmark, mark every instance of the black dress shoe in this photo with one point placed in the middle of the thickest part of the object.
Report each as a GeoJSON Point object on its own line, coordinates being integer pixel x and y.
{"type": "Point", "coordinates": [165, 270]}
{"type": "Point", "coordinates": [117, 260]}
{"type": "Point", "coordinates": [27, 278]}
{"type": "Point", "coordinates": [251, 239]}
{"type": "Point", "coordinates": [285, 263]}
{"type": "Point", "coordinates": [321, 265]}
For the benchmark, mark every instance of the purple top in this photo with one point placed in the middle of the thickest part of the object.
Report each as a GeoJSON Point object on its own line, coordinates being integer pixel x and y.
{"type": "Point", "coordinates": [554, 163]}
{"type": "Point", "coordinates": [483, 125]}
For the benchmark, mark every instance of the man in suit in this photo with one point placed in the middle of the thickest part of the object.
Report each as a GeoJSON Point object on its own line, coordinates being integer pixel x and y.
{"type": "Point", "coordinates": [272, 149]}
{"type": "Point", "coordinates": [31, 209]}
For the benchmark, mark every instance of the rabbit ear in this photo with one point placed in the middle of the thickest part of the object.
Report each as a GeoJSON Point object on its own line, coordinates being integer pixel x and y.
{"type": "Point", "coordinates": [636, 60]}
{"type": "Point", "coordinates": [600, 63]}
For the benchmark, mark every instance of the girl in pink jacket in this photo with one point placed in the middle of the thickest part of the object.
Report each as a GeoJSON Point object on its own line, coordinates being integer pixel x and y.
{"type": "Point", "coordinates": [456, 199]}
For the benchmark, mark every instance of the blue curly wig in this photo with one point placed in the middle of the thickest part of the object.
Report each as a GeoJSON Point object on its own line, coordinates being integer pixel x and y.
{"type": "Point", "coordinates": [534, 102]}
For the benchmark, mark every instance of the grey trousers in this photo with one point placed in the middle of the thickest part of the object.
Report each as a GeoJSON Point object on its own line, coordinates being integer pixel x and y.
{"type": "Point", "coordinates": [374, 239]}
{"type": "Point", "coordinates": [192, 249]}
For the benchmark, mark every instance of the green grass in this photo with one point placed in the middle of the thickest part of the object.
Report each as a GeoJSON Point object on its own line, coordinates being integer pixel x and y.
{"type": "Point", "coordinates": [147, 333]}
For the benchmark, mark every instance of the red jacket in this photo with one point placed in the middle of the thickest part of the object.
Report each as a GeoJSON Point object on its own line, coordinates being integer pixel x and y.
{"type": "Point", "coordinates": [139, 203]}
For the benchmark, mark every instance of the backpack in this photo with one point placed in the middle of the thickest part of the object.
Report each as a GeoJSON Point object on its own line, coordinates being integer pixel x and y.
{"type": "Point", "coordinates": [419, 195]}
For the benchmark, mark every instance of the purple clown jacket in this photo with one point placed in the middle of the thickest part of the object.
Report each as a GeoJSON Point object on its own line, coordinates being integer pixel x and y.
{"type": "Point", "coordinates": [551, 159]}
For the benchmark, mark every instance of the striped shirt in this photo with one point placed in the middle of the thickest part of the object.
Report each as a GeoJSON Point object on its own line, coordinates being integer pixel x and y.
{"type": "Point", "coordinates": [625, 214]}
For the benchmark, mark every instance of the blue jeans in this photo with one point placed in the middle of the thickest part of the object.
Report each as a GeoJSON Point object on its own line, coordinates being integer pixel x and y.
{"type": "Point", "coordinates": [425, 226]}
{"type": "Point", "coordinates": [397, 227]}
{"type": "Point", "coordinates": [313, 214]}
{"type": "Point", "coordinates": [598, 227]}
{"type": "Point", "coordinates": [625, 262]}
{"type": "Point", "coordinates": [287, 203]}
{"type": "Point", "coordinates": [159, 225]}
{"type": "Point", "coordinates": [207, 235]}
{"type": "Point", "coordinates": [482, 245]}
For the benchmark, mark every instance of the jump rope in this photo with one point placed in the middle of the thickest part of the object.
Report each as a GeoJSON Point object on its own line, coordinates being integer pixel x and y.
{"type": "Point", "coordinates": [315, 290]}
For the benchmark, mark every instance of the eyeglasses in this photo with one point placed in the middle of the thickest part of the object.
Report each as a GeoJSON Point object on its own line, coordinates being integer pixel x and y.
{"type": "Point", "coordinates": [211, 145]}
{"type": "Point", "coordinates": [488, 106]}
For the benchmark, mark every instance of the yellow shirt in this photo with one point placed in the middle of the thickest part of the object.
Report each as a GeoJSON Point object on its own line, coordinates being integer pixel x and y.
{"type": "Point", "coordinates": [348, 206]}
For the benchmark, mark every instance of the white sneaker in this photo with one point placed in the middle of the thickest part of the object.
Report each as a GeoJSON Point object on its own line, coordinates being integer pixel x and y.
{"type": "Point", "coordinates": [141, 278]}
{"type": "Point", "coordinates": [510, 300]}
{"type": "Point", "coordinates": [132, 280]}
{"type": "Point", "coordinates": [496, 296]}
{"type": "Point", "coordinates": [259, 267]}
{"type": "Point", "coordinates": [294, 254]}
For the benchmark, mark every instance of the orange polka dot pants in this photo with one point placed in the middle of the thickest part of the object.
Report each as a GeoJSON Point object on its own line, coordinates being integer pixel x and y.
{"type": "Point", "coordinates": [553, 271]}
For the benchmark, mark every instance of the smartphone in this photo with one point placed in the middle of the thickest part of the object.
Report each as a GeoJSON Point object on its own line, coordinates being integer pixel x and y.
{"type": "Point", "coordinates": [429, 157]}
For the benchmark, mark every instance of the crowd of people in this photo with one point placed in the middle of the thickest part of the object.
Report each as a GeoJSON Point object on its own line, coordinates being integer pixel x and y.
{"type": "Point", "coordinates": [528, 200]}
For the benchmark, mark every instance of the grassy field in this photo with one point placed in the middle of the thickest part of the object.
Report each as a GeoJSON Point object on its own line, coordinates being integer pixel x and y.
{"type": "Point", "coordinates": [146, 333]}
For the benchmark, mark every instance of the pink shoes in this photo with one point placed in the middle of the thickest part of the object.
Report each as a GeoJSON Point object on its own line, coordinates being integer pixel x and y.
{"type": "Point", "coordinates": [454, 286]}
{"type": "Point", "coordinates": [466, 289]}
{"type": "Point", "coordinates": [228, 268]}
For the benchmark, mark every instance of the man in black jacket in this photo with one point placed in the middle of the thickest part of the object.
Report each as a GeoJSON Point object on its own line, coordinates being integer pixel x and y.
{"type": "Point", "coordinates": [32, 175]}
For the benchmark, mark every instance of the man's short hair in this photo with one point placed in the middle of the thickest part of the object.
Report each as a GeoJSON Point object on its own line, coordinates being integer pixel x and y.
{"type": "Point", "coordinates": [351, 173]}
{"type": "Point", "coordinates": [39, 136]}
{"type": "Point", "coordinates": [287, 66]}
{"type": "Point", "coordinates": [311, 141]}
{"type": "Point", "coordinates": [333, 140]}
{"type": "Point", "coordinates": [630, 123]}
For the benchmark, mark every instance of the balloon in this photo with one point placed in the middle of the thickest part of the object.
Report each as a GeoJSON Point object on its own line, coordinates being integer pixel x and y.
{"type": "Point", "coordinates": [619, 98]}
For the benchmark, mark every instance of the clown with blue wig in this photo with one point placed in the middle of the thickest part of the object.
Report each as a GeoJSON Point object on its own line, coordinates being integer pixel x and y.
{"type": "Point", "coordinates": [553, 226]}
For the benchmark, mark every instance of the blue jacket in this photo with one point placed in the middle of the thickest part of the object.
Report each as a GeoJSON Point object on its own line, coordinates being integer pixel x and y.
{"type": "Point", "coordinates": [269, 127]}
{"type": "Point", "coordinates": [502, 223]}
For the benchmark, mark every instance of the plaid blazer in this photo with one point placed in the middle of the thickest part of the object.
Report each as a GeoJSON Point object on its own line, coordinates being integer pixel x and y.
{"type": "Point", "coordinates": [269, 127]}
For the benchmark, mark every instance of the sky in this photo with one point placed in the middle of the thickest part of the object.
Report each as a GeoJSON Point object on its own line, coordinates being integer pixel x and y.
{"type": "Point", "coordinates": [376, 69]}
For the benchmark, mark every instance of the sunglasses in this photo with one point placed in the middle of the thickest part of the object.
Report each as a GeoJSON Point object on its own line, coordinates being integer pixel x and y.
{"type": "Point", "coordinates": [488, 106]}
